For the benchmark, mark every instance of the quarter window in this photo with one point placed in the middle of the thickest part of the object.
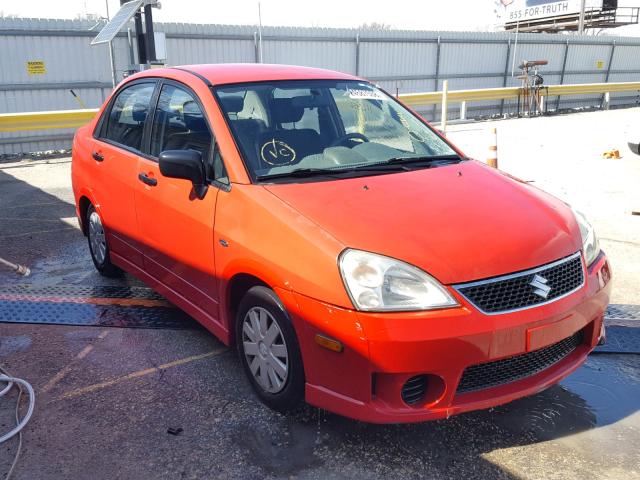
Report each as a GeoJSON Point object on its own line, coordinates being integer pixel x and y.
{"type": "Point", "coordinates": [179, 124]}
{"type": "Point", "coordinates": [219, 170]}
{"type": "Point", "coordinates": [125, 123]}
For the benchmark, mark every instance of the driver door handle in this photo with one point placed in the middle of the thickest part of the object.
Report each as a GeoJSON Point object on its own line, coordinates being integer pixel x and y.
{"type": "Point", "coordinates": [152, 182]}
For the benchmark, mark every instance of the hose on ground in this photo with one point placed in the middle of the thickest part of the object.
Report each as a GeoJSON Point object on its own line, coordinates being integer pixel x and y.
{"type": "Point", "coordinates": [22, 385]}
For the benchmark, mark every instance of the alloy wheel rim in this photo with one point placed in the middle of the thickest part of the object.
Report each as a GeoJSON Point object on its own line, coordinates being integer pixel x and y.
{"type": "Point", "coordinates": [265, 350]}
{"type": "Point", "coordinates": [96, 238]}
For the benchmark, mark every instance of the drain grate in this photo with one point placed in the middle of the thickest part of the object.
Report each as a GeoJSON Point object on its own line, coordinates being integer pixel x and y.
{"type": "Point", "coordinates": [141, 307]}
{"type": "Point", "coordinates": [89, 291]}
{"type": "Point", "coordinates": [62, 313]}
{"type": "Point", "coordinates": [623, 312]}
{"type": "Point", "coordinates": [100, 306]}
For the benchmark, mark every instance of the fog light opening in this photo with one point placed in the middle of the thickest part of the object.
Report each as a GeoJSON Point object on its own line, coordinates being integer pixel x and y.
{"type": "Point", "coordinates": [414, 390]}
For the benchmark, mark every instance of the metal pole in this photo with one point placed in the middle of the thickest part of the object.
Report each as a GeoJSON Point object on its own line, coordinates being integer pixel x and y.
{"type": "Point", "coordinates": [132, 58]}
{"type": "Point", "coordinates": [256, 53]}
{"type": "Point", "coordinates": [583, 5]}
{"type": "Point", "coordinates": [605, 100]}
{"type": "Point", "coordinates": [443, 113]}
{"type": "Point", "coordinates": [112, 59]}
{"type": "Point", "coordinates": [437, 74]}
{"type": "Point", "coordinates": [613, 50]}
{"type": "Point", "coordinates": [142, 50]}
{"type": "Point", "coordinates": [564, 68]}
{"type": "Point", "coordinates": [506, 74]}
{"type": "Point", "coordinates": [149, 40]}
{"type": "Point", "coordinates": [358, 54]}
{"type": "Point", "coordinates": [515, 49]}
{"type": "Point", "coordinates": [260, 33]}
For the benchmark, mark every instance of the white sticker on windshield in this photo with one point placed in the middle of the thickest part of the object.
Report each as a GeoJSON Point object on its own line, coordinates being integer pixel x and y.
{"type": "Point", "coordinates": [365, 94]}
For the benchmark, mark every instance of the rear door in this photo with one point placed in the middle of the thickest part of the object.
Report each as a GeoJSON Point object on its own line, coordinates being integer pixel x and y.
{"type": "Point", "coordinates": [115, 154]}
{"type": "Point", "coordinates": [176, 226]}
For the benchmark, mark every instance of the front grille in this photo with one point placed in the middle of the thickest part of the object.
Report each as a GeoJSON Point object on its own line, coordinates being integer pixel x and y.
{"type": "Point", "coordinates": [492, 374]}
{"type": "Point", "coordinates": [526, 289]}
{"type": "Point", "coordinates": [414, 389]}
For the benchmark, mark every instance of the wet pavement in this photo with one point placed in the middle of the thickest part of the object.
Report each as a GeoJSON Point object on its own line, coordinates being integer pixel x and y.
{"type": "Point", "coordinates": [116, 368]}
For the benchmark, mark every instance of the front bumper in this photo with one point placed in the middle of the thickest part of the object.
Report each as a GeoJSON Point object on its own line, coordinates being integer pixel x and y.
{"type": "Point", "coordinates": [382, 351]}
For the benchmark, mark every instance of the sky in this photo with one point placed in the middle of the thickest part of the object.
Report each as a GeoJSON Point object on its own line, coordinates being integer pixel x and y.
{"type": "Point", "coordinates": [466, 15]}
{"type": "Point", "coordinates": [399, 14]}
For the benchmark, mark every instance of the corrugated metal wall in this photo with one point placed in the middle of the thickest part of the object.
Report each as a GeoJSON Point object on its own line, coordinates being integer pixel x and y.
{"type": "Point", "coordinates": [400, 61]}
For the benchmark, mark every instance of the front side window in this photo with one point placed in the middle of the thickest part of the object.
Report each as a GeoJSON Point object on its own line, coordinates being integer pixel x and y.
{"type": "Point", "coordinates": [125, 122]}
{"type": "Point", "coordinates": [179, 124]}
{"type": "Point", "coordinates": [294, 129]}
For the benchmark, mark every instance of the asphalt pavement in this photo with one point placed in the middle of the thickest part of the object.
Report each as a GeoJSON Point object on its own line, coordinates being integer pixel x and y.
{"type": "Point", "coordinates": [128, 387]}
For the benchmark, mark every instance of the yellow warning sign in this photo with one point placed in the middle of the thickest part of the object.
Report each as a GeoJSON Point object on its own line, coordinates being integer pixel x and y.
{"type": "Point", "coordinates": [36, 67]}
{"type": "Point", "coordinates": [600, 64]}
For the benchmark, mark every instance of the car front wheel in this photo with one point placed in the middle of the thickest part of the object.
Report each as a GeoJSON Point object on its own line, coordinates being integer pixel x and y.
{"type": "Point", "coordinates": [269, 350]}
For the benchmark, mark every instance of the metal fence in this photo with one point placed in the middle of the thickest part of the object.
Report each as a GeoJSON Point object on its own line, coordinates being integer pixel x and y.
{"type": "Point", "coordinates": [400, 61]}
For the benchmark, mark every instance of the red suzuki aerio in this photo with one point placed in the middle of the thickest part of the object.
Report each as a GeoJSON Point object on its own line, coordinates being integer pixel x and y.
{"type": "Point", "coordinates": [356, 259]}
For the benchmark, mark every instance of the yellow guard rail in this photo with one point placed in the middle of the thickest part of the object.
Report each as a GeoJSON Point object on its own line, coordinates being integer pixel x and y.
{"type": "Point", "coordinates": [17, 122]}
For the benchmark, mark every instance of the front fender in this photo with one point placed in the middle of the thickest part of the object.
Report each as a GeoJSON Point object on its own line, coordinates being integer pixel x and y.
{"type": "Point", "coordinates": [258, 234]}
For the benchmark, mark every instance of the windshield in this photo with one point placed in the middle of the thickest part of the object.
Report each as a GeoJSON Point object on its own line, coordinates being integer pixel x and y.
{"type": "Point", "coordinates": [289, 128]}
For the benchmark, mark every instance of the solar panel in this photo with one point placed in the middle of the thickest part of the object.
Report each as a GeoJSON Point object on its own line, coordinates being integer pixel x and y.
{"type": "Point", "coordinates": [119, 20]}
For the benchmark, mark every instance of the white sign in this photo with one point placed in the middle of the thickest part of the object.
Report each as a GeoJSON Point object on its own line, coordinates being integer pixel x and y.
{"type": "Point", "coordinates": [365, 94]}
{"type": "Point", "coordinates": [512, 11]}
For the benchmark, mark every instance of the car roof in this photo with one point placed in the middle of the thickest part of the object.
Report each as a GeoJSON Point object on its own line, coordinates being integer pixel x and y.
{"type": "Point", "coordinates": [226, 73]}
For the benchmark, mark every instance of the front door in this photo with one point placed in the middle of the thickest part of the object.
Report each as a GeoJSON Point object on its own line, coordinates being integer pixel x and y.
{"type": "Point", "coordinates": [175, 225]}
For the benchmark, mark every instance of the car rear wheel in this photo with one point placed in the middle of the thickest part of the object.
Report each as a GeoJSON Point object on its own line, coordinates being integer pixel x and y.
{"type": "Point", "coordinates": [98, 245]}
{"type": "Point", "coordinates": [269, 350]}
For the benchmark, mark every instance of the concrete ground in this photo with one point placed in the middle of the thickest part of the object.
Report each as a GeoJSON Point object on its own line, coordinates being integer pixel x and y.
{"type": "Point", "coordinates": [106, 397]}
{"type": "Point", "coordinates": [563, 155]}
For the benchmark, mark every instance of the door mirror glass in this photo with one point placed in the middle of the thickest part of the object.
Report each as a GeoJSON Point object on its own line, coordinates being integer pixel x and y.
{"type": "Point", "coordinates": [187, 165]}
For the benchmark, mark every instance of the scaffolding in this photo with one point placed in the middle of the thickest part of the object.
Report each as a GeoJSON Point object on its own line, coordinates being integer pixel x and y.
{"type": "Point", "coordinates": [594, 18]}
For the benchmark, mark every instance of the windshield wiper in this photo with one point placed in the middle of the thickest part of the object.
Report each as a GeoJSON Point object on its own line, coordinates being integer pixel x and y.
{"type": "Point", "coordinates": [402, 163]}
{"type": "Point", "coordinates": [393, 164]}
{"type": "Point", "coordinates": [299, 173]}
{"type": "Point", "coordinates": [430, 158]}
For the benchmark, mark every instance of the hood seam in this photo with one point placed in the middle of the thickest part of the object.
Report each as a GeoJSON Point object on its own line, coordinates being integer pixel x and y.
{"type": "Point", "coordinates": [343, 244]}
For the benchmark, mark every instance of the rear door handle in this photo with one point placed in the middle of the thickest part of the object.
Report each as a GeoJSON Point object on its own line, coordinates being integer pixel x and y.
{"type": "Point", "coordinates": [97, 156]}
{"type": "Point", "coordinates": [148, 180]}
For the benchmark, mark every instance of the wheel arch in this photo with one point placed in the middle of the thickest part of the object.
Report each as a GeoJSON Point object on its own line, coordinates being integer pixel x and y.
{"type": "Point", "coordinates": [237, 286]}
{"type": "Point", "coordinates": [83, 207]}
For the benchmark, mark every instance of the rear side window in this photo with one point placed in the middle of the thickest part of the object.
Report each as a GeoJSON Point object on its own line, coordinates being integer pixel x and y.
{"type": "Point", "coordinates": [179, 124]}
{"type": "Point", "coordinates": [125, 123]}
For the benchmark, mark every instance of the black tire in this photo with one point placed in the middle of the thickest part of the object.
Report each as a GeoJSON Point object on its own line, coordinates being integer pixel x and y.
{"type": "Point", "coordinates": [291, 394]}
{"type": "Point", "coordinates": [103, 265]}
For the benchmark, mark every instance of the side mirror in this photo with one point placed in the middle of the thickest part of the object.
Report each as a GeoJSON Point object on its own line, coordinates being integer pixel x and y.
{"type": "Point", "coordinates": [185, 164]}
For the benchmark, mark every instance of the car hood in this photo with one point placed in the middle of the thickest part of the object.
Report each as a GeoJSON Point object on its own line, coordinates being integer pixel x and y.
{"type": "Point", "coordinates": [458, 222]}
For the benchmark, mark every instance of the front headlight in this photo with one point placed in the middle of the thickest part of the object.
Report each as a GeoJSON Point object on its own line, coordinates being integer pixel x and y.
{"type": "Point", "coordinates": [378, 283]}
{"type": "Point", "coordinates": [590, 243]}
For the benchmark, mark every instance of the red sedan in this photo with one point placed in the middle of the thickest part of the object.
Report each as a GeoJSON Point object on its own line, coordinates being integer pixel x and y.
{"type": "Point", "coordinates": [356, 259]}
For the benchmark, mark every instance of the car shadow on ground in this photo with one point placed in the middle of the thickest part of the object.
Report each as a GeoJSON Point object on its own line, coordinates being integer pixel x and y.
{"type": "Point", "coordinates": [39, 229]}
{"type": "Point", "coordinates": [451, 448]}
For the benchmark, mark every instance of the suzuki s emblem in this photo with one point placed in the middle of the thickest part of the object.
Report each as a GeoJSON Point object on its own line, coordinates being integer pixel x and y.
{"type": "Point", "coordinates": [539, 284]}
